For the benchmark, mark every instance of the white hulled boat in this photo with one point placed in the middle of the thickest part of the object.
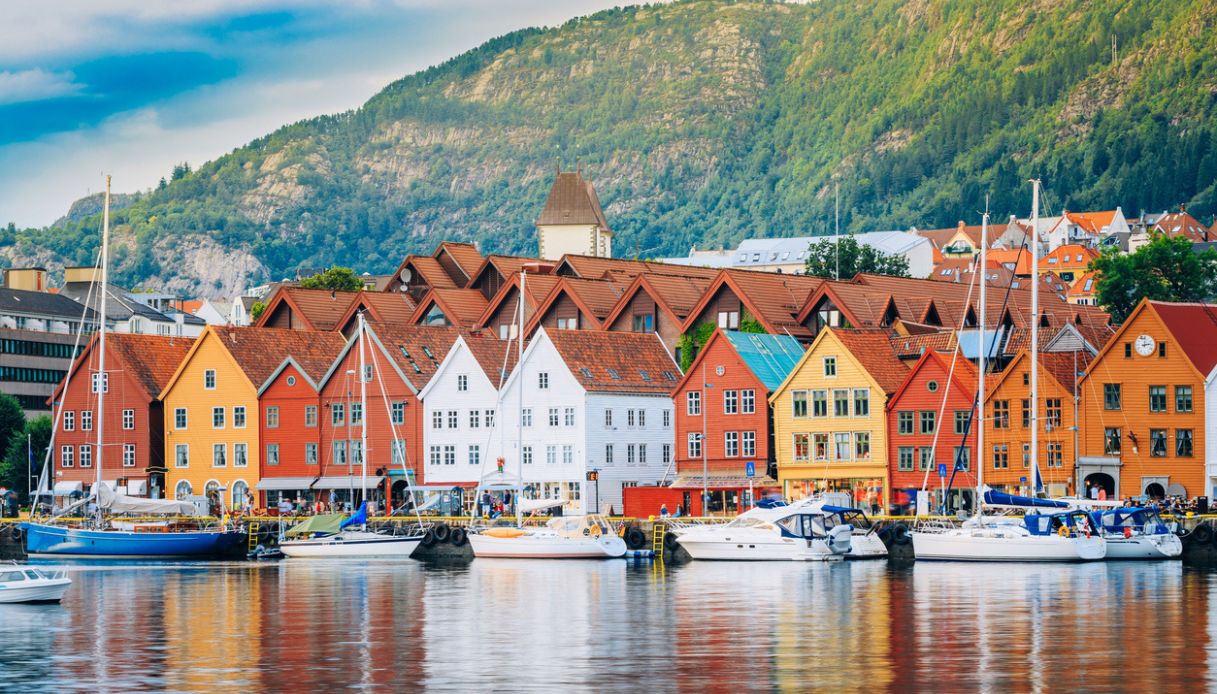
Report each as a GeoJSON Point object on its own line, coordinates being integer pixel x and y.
{"type": "Point", "coordinates": [802, 531]}
{"type": "Point", "coordinates": [565, 537]}
{"type": "Point", "coordinates": [1135, 533]}
{"type": "Point", "coordinates": [26, 584]}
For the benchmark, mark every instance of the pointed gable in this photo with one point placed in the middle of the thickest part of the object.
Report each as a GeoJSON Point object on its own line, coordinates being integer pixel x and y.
{"type": "Point", "coordinates": [612, 362]}
{"type": "Point", "coordinates": [296, 308]}
{"type": "Point", "coordinates": [572, 200]}
{"type": "Point", "coordinates": [455, 307]}
{"type": "Point", "coordinates": [873, 350]}
{"type": "Point", "coordinates": [459, 260]}
{"type": "Point", "coordinates": [378, 307]}
{"type": "Point", "coordinates": [770, 357]}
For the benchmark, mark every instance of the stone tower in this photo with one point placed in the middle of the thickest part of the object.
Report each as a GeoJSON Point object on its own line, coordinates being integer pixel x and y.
{"type": "Point", "coordinates": [572, 221]}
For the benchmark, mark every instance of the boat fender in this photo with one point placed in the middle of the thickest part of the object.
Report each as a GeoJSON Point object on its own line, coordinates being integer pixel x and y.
{"type": "Point", "coordinates": [428, 538]}
{"type": "Point", "coordinates": [670, 543]}
{"type": "Point", "coordinates": [1063, 531]}
{"type": "Point", "coordinates": [457, 537]}
{"type": "Point", "coordinates": [900, 534]}
{"type": "Point", "coordinates": [595, 531]}
{"type": "Point", "coordinates": [1127, 533]}
{"type": "Point", "coordinates": [441, 532]}
{"type": "Point", "coordinates": [1202, 533]}
{"type": "Point", "coordinates": [17, 532]}
{"type": "Point", "coordinates": [635, 538]}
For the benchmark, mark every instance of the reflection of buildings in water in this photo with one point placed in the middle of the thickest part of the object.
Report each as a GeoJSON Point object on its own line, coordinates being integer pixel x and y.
{"type": "Point", "coordinates": [212, 620]}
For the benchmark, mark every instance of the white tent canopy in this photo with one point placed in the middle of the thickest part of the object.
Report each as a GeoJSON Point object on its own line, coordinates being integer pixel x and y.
{"type": "Point", "coordinates": [120, 503]}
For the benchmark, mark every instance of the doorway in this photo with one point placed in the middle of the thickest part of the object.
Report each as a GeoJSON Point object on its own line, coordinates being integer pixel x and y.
{"type": "Point", "coordinates": [1100, 480]}
{"type": "Point", "coordinates": [1155, 491]}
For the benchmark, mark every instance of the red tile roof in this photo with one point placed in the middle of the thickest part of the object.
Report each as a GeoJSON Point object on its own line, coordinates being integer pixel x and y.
{"type": "Point", "coordinates": [1185, 225]}
{"type": "Point", "coordinates": [150, 359]}
{"type": "Point", "coordinates": [616, 362]}
{"type": "Point", "coordinates": [593, 267]}
{"type": "Point", "coordinates": [913, 346]}
{"type": "Point", "coordinates": [416, 350]}
{"type": "Point", "coordinates": [259, 351]}
{"type": "Point", "coordinates": [462, 307]}
{"type": "Point", "coordinates": [465, 255]}
{"type": "Point", "coordinates": [774, 299]}
{"type": "Point", "coordinates": [873, 349]}
{"type": "Point", "coordinates": [496, 357]}
{"type": "Point", "coordinates": [1194, 327]}
{"type": "Point", "coordinates": [1092, 222]}
{"type": "Point", "coordinates": [382, 307]}
{"type": "Point", "coordinates": [321, 309]}
{"type": "Point", "coordinates": [1065, 366]}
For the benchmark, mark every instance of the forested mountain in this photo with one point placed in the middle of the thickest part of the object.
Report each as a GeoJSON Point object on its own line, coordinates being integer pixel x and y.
{"type": "Point", "coordinates": [700, 122]}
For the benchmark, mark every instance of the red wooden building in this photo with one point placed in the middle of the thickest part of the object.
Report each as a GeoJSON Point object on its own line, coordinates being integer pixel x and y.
{"type": "Point", "coordinates": [137, 368]}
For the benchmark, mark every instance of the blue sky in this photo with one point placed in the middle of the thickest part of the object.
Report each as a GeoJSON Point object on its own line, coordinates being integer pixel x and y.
{"type": "Point", "coordinates": [132, 87]}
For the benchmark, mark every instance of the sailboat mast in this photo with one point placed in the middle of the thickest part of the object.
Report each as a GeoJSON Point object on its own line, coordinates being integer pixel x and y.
{"type": "Point", "coordinates": [980, 365]}
{"type": "Point", "coordinates": [1035, 334]}
{"type": "Point", "coordinates": [363, 417]}
{"type": "Point", "coordinates": [100, 377]}
{"type": "Point", "coordinates": [520, 406]}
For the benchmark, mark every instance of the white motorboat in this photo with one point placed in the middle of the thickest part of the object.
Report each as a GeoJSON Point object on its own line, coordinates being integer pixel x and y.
{"type": "Point", "coordinates": [795, 532]}
{"type": "Point", "coordinates": [331, 537]}
{"type": "Point", "coordinates": [1038, 537]}
{"type": "Point", "coordinates": [864, 542]}
{"type": "Point", "coordinates": [567, 537]}
{"type": "Point", "coordinates": [27, 584]}
{"type": "Point", "coordinates": [1136, 533]}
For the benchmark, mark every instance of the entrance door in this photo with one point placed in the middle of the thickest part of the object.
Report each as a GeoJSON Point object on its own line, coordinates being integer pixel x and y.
{"type": "Point", "coordinates": [1100, 480]}
{"type": "Point", "coordinates": [1155, 491]}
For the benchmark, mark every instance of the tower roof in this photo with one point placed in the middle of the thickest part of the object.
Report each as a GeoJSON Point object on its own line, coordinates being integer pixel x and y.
{"type": "Point", "coordinates": [572, 200]}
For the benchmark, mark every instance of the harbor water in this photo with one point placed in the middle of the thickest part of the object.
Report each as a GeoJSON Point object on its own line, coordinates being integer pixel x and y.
{"type": "Point", "coordinates": [511, 625]}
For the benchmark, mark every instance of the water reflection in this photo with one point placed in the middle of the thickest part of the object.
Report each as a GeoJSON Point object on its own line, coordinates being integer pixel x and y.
{"type": "Point", "coordinates": [577, 626]}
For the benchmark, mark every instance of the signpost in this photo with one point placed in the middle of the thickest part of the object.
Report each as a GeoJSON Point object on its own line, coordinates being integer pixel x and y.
{"type": "Point", "coordinates": [942, 485]}
{"type": "Point", "coordinates": [750, 472]}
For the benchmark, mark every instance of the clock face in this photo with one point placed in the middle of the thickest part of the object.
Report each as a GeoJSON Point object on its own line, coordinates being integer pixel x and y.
{"type": "Point", "coordinates": [1144, 345]}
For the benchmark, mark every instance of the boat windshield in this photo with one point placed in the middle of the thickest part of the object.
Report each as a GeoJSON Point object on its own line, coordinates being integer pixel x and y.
{"type": "Point", "coordinates": [11, 576]}
{"type": "Point", "coordinates": [746, 522]}
{"type": "Point", "coordinates": [804, 525]}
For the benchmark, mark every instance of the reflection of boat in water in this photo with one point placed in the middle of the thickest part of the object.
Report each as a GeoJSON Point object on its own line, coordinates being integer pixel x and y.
{"type": "Point", "coordinates": [800, 532]}
{"type": "Point", "coordinates": [565, 537]}
{"type": "Point", "coordinates": [328, 536]}
{"type": "Point", "coordinates": [26, 584]}
{"type": "Point", "coordinates": [1135, 533]}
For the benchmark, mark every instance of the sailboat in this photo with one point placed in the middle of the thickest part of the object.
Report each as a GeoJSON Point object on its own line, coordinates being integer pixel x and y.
{"type": "Point", "coordinates": [332, 536]}
{"type": "Point", "coordinates": [569, 537]}
{"type": "Point", "coordinates": [1061, 535]}
{"type": "Point", "coordinates": [104, 535]}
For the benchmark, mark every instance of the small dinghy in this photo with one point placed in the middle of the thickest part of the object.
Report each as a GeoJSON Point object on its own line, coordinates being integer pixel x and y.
{"type": "Point", "coordinates": [26, 584]}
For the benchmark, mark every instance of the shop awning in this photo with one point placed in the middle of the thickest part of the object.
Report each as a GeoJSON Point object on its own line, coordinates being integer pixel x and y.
{"type": "Point", "coordinates": [345, 482]}
{"type": "Point", "coordinates": [68, 488]}
{"type": "Point", "coordinates": [280, 484]}
{"type": "Point", "coordinates": [722, 482]}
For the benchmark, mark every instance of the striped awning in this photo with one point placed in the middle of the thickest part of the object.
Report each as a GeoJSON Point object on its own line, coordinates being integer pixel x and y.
{"type": "Point", "coordinates": [723, 482]}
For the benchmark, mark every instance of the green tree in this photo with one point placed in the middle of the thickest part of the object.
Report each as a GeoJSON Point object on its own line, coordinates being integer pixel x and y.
{"type": "Point", "coordinates": [15, 467]}
{"type": "Point", "coordinates": [847, 258]}
{"type": "Point", "coordinates": [12, 431]}
{"type": "Point", "coordinates": [1165, 269]}
{"type": "Point", "coordinates": [256, 310]}
{"type": "Point", "coordinates": [341, 278]}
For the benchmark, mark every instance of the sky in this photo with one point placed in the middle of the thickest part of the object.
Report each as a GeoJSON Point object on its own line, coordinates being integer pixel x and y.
{"type": "Point", "coordinates": [131, 87]}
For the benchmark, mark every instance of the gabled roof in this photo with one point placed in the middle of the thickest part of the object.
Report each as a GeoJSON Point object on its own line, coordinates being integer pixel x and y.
{"type": "Point", "coordinates": [415, 351]}
{"type": "Point", "coordinates": [1194, 327]}
{"type": "Point", "coordinates": [1071, 255]}
{"type": "Point", "coordinates": [769, 357]}
{"type": "Point", "coordinates": [505, 265]}
{"type": "Point", "coordinates": [616, 362]}
{"type": "Point", "coordinates": [1058, 366]}
{"type": "Point", "coordinates": [462, 307]}
{"type": "Point", "coordinates": [872, 348]}
{"type": "Point", "coordinates": [319, 309]}
{"type": "Point", "coordinates": [595, 267]}
{"type": "Point", "coordinates": [496, 357]}
{"type": "Point", "coordinates": [861, 305]}
{"type": "Point", "coordinates": [1017, 260]}
{"type": "Point", "coordinates": [464, 255]}
{"type": "Point", "coordinates": [775, 300]}
{"type": "Point", "coordinates": [1085, 285]}
{"type": "Point", "coordinates": [963, 380]}
{"type": "Point", "coordinates": [379, 307]}
{"type": "Point", "coordinates": [572, 200]}
{"type": "Point", "coordinates": [595, 299]}
{"type": "Point", "coordinates": [43, 304]}
{"type": "Point", "coordinates": [674, 295]}
{"type": "Point", "coordinates": [150, 359]}
{"type": "Point", "coordinates": [913, 346]}
{"type": "Point", "coordinates": [536, 288]}
{"type": "Point", "coordinates": [260, 352]}
{"type": "Point", "coordinates": [1092, 222]}
{"type": "Point", "coordinates": [1183, 224]}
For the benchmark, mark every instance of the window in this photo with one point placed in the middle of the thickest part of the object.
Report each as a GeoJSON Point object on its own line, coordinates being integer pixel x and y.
{"type": "Point", "coordinates": [553, 416]}
{"type": "Point", "coordinates": [568, 416]}
{"type": "Point", "coordinates": [1001, 414]}
{"type": "Point", "coordinates": [310, 416]}
{"type": "Point", "coordinates": [904, 459]}
{"type": "Point", "coordinates": [453, 419]}
{"type": "Point", "coordinates": [462, 383]}
{"type": "Point", "coordinates": [450, 454]}
{"type": "Point", "coordinates": [927, 421]}
{"type": "Point", "coordinates": [608, 454]}
{"type": "Point", "coordinates": [1001, 457]}
{"type": "Point", "coordinates": [272, 454]}
{"type": "Point", "coordinates": [434, 456]}
{"type": "Point", "coordinates": [86, 420]}
{"type": "Point", "coordinates": [65, 456]}
{"type": "Point", "coordinates": [339, 449]}
{"type": "Point", "coordinates": [488, 418]}
{"type": "Point", "coordinates": [356, 413]}
{"type": "Point", "coordinates": [642, 454]}
{"type": "Point", "coordinates": [240, 454]}
{"type": "Point", "coordinates": [105, 382]}
{"type": "Point", "coordinates": [219, 455]}
{"type": "Point", "coordinates": [337, 414]}
{"type": "Point", "coordinates": [802, 447]}
{"type": "Point", "coordinates": [526, 455]}
{"type": "Point", "coordinates": [1056, 454]}
{"type": "Point", "coordinates": [209, 379]}
{"type": "Point", "coordinates": [217, 417]}
{"type": "Point", "coordinates": [1111, 396]}
{"type": "Point", "coordinates": [272, 417]}
{"type": "Point", "coordinates": [1162, 350]}
{"type": "Point", "coordinates": [1052, 413]}
{"type": "Point", "coordinates": [310, 454]}
{"type": "Point", "coordinates": [961, 421]}
{"type": "Point", "coordinates": [730, 402]}
{"type": "Point", "coordinates": [475, 454]}
{"type": "Point", "coordinates": [1183, 443]}
{"type": "Point", "coordinates": [749, 444]}
{"type": "Point", "coordinates": [963, 458]}
{"type": "Point", "coordinates": [526, 417]}
{"type": "Point", "coordinates": [608, 418]}
{"type": "Point", "coordinates": [397, 412]}
{"type": "Point", "coordinates": [798, 401]}
{"type": "Point", "coordinates": [667, 419]}
{"type": "Point", "coordinates": [629, 418]}
{"type": "Point", "coordinates": [1111, 441]}
{"type": "Point", "coordinates": [86, 456]}
{"type": "Point", "coordinates": [904, 422]}
{"type": "Point", "coordinates": [1157, 443]}
{"type": "Point", "coordinates": [830, 367]}
{"type": "Point", "coordinates": [181, 455]}
{"type": "Point", "coordinates": [543, 380]}
{"type": "Point", "coordinates": [475, 419]}
{"type": "Point", "coordinates": [925, 458]}
{"type": "Point", "coordinates": [694, 445]}
{"type": "Point", "coordinates": [642, 419]}
{"type": "Point", "coordinates": [819, 403]}
{"type": "Point", "coordinates": [1026, 414]}
{"type": "Point", "coordinates": [1026, 455]}
{"type": "Point", "coordinates": [629, 454]}
{"type": "Point", "coordinates": [551, 455]}
{"type": "Point", "coordinates": [128, 419]}
{"type": "Point", "coordinates": [842, 447]}
{"type": "Point", "coordinates": [238, 416]}
{"type": "Point", "coordinates": [437, 419]}
{"type": "Point", "coordinates": [398, 449]}
{"type": "Point", "coordinates": [862, 402]}
{"type": "Point", "coordinates": [1183, 398]}
{"type": "Point", "coordinates": [728, 320]}
{"type": "Point", "coordinates": [568, 323]}
{"type": "Point", "coordinates": [69, 420]}
{"type": "Point", "coordinates": [644, 323]}
{"type": "Point", "coordinates": [731, 444]}
{"type": "Point", "coordinates": [840, 403]}
{"type": "Point", "coordinates": [862, 445]}
{"type": "Point", "coordinates": [693, 403]}
{"type": "Point", "coordinates": [819, 446]}
{"type": "Point", "coordinates": [747, 401]}
{"type": "Point", "coordinates": [667, 453]}
{"type": "Point", "coordinates": [128, 455]}
{"type": "Point", "coordinates": [1157, 398]}
{"type": "Point", "coordinates": [568, 455]}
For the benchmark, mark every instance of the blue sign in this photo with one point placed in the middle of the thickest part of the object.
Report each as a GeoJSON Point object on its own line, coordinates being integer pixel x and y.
{"type": "Point", "coordinates": [750, 469]}
{"type": "Point", "coordinates": [1023, 480]}
{"type": "Point", "coordinates": [942, 470]}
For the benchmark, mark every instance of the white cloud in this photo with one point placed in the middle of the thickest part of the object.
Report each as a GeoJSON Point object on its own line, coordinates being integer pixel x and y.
{"type": "Point", "coordinates": [35, 85]}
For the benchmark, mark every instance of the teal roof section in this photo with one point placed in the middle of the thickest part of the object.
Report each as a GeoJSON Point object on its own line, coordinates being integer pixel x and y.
{"type": "Point", "coordinates": [769, 357]}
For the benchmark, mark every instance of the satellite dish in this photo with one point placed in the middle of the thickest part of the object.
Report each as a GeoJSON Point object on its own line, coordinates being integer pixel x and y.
{"type": "Point", "coordinates": [406, 274]}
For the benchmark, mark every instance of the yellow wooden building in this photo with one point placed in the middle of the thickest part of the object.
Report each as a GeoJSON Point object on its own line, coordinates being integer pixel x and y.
{"type": "Point", "coordinates": [830, 424]}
